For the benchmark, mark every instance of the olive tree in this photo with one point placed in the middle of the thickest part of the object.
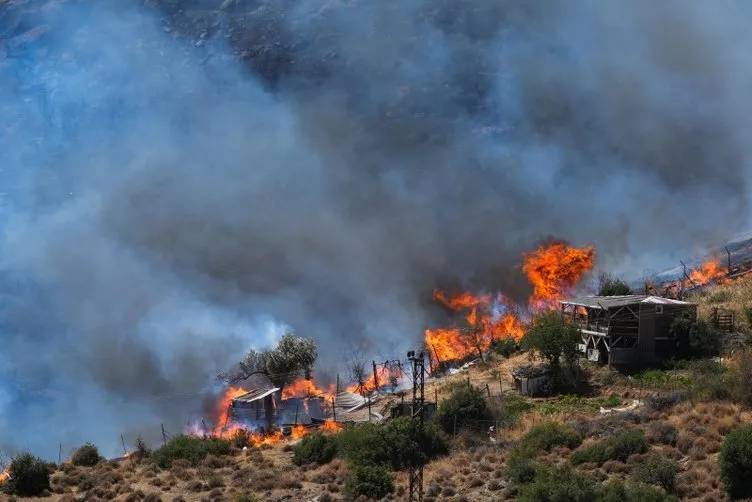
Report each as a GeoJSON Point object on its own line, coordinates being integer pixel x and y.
{"type": "Point", "coordinates": [292, 358]}
{"type": "Point", "coordinates": [613, 286]}
{"type": "Point", "coordinates": [555, 339]}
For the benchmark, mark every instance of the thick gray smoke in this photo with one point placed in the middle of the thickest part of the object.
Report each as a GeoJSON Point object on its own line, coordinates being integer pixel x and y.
{"type": "Point", "coordinates": [181, 182]}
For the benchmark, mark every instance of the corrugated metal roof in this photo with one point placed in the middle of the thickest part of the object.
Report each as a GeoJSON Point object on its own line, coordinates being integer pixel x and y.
{"type": "Point", "coordinates": [349, 400]}
{"type": "Point", "coordinates": [608, 302]}
{"type": "Point", "coordinates": [256, 394]}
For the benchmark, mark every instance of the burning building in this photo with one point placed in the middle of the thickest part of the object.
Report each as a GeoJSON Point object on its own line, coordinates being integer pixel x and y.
{"type": "Point", "coordinates": [627, 331]}
{"type": "Point", "coordinates": [266, 408]}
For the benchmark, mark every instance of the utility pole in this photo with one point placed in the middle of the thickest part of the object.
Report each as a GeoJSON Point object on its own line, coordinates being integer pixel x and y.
{"type": "Point", "coordinates": [417, 415]}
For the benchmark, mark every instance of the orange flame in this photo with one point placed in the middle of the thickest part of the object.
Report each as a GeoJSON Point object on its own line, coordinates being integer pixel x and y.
{"type": "Point", "coordinates": [4, 476]}
{"type": "Point", "coordinates": [222, 412]}
{"type": "Point", "coordinates": [331, 426]}
{"type": "Point", "coordinates": [303, 388]}
{"type": "Point", "coordinates": [298, 431]}
{"type": "Point", "coordinates": [706, 272]}
{"type": "Point", "coordinates": [271, 438]}
{"type": "Point", "coordinates": [386, 375]}
{"type": "Point", "coordinates": [483, 327]}
{"type": "Point", "coordinates": [553, 270]}
{"type": "Point", "coordinates": [461, 301]}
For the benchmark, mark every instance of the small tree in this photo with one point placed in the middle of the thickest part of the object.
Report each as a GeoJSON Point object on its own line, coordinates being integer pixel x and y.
{"type": "Point", "coordinates": [356, 366]}
{"type": "Point", "coordinates": [612, 286]}
{"type": "Point", "coordinates": [293, 357]}
{"type": "Point", "coordinates": [29, 476]}
{"type": "Point", "coordinates": [315, 449]}
{"type": "Point", "coordinates": [556, 341]}
{"type": "Point", "coordinates": [86, 455]}
{"type": "Point", "coordinates": [370, 481]}
{"type": "Point", "coordinates": [464, 405]}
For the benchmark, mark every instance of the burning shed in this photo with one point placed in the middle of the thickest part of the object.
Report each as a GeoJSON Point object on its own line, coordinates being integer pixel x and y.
{"type": "Point", "coordinates": [265, 408]}
{"type": "Point", "coordinates": [627, 331]}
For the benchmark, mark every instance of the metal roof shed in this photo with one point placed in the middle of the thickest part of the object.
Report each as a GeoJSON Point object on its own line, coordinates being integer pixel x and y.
{"type": "Point", "coordinates": [627, 331]}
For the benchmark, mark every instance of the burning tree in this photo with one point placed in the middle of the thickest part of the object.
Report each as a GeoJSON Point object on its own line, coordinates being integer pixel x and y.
{"type": "Point", "coordinates": [292, 358]}
{"type": "Point", "coordinates": [485, 319]}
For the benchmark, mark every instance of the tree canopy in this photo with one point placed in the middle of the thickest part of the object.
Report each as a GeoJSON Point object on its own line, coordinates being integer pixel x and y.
{"type": "Point", "coordinates": [613, 286]}
{"type": "Point", "coordinates": [292, 358]}
{"type": "Point", "coordinates": [556, 341]}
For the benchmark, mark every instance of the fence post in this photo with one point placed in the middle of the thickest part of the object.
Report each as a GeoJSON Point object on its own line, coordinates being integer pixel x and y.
{"type": "Point", "coordinates": [164, 436]}
{"type": "Point", "coordinates": [488, 390]}
{"type": "Point", "coordinates": [375, 376]}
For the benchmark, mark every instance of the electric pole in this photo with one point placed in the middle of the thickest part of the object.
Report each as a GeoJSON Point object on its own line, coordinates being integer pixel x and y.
{"type": "Point", "coordinates": [417, 415]}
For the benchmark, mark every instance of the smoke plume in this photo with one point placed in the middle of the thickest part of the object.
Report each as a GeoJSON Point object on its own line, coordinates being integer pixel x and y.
{"type": "Point", "coordinates": [184, 180]}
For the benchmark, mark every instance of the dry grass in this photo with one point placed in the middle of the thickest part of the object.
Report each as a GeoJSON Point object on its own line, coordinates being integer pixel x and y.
{"type": "Point", "coordinates": [734, 296]}
{"type": "Point", "coordinates": [688, 433]}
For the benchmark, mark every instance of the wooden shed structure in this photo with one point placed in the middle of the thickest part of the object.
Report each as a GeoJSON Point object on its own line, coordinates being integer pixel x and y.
{"type": "Point", "coordinates": [263, 408]}
{"type": "Point", "coordinates": [627, 331]}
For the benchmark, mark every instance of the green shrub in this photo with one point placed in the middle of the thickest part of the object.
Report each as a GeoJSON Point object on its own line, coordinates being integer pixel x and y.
{"type": "Point", "coordinates": [29, 476]}
{"type": "Point", "coordinates": [190, 448]}
{"type": "Point", "coordinates": [618, 491]}
{"type": "Point", "coordinates": [395, 443]}
{"type": "Point", "coordinates": [618, 447]}
{"type": "Point", "coordinates": [86, 455]}
{"type": "Point", "coordinates": [520, 468]}
{"type": "Point", "coordinates": [736, 462]}
{"type": "Point", "coordinates": [315, 449]}
{"type": "Point", "coordinates": [557, 484]}
{"type": "Point", "coordinates": [371, 481]}
{"type": "Point", "coordinates": [593, 453]}
{"type": "Point", "coordinates": [464, 405]}
{"type": "Point", "coordinates": [656, 470]}
{"type": "Point", "coordinates": [504, 347]}
{"type": "Point", "coordinates": [548, 435]}
{"type": "Point", "coordinates": [704, 339]}
{"type": "Point", "coordinates": [696, 338]}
